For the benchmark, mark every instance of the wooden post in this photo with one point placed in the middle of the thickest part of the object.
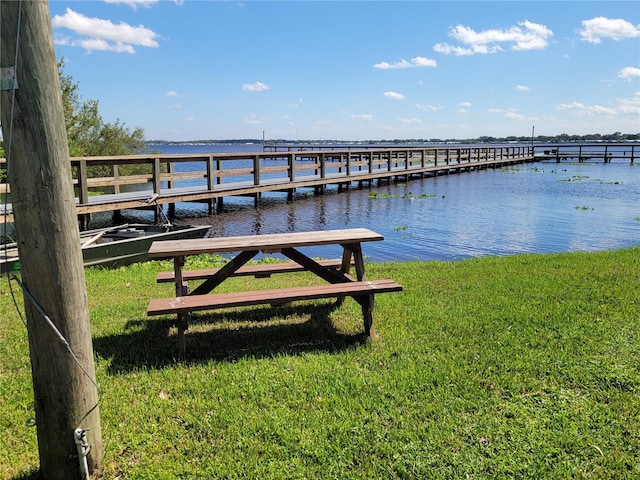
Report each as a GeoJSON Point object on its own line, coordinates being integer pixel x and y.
{"type": "Point", "coordinates": [65, 397]}
{"type": "Point", "coordinates": [323, 165]}
{"type": "Point", "coordinates": [83, 193]}
{"type": "Point", "coordinates": [291, 157]}
{"type": "Point", "coordinates": [256, 169]}
{"type": "Point", "coordinates": [171, 207]}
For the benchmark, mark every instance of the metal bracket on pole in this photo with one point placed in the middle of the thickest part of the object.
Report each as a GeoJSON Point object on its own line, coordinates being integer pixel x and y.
{"type": "Point", "coordinates": [8, 80]}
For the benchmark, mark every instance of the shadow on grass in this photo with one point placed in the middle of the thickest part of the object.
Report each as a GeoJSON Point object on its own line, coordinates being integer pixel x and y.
{"type": "Point", "coordinates": [227, 336]}
{"type": "Point", "coordinates": [31, 475]}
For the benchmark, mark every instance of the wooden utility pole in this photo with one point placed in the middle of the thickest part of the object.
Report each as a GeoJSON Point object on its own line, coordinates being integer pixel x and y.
{"type": "Point", "coordinates": [42, 196]}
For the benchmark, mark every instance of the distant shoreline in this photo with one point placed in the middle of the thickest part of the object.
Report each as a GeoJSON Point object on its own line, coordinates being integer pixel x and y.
{"type": "Point", "coordinates": [595, 138]}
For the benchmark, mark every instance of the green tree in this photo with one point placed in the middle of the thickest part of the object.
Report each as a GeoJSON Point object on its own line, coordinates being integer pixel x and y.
{"type": "Point", "coordinates": [87, 133]}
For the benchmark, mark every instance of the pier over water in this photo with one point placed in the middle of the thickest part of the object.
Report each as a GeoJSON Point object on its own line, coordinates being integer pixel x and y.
{"type": "Point", "coordinates": [210, 178]}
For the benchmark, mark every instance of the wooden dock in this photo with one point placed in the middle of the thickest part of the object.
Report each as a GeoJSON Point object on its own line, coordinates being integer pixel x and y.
{"type": "Point", "coordinates": [210, 178]}
{"type": "Point", "coordinates": [587, 152]}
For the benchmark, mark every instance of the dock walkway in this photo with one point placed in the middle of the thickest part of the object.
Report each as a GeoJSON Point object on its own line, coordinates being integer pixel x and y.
{"type": "Point", "coordinates": [171, 179]}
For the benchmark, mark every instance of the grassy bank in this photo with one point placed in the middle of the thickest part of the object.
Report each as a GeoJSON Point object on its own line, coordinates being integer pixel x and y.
{"type": "Point", "coordinates": [514, 367]}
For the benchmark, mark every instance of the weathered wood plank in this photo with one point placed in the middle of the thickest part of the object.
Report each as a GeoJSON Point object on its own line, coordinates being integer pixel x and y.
{"type": "Point", "coordinates": [271, 243]}
{"type": "Point", "coordinates": [193, 303]}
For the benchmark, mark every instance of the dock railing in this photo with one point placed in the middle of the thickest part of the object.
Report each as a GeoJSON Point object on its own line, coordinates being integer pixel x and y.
{"type": "Point", "coordinates": [606, 152]}
{"type": "Point", "coordinates": [129, 181]}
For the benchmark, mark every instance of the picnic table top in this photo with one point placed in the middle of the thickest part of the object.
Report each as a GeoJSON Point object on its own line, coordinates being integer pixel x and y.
{"type": "Point", "coordinates": [268, 242]}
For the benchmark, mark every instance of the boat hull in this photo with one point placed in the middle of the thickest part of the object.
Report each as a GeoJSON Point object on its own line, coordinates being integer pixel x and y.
{"type": "Point", "coordinates": [118, 248]}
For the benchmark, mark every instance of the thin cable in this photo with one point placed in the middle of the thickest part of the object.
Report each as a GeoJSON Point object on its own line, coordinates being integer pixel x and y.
{"type": "Point", "coordinates": [15, 301]}
{"type": "Point", "coordinates": [61, 338]}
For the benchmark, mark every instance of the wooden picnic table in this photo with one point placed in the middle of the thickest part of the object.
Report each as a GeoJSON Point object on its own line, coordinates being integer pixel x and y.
{"type": "Point", "coordinates": [336, 273]}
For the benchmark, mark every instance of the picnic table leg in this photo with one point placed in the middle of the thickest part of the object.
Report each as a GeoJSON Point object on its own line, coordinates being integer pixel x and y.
{"type": "Point", "coordinates": [366, 301]}
{"type": "Point", "coordinates": [345, 268]}
{"type": "Point", "coordinates": [178, 263]}
{"type": "Point", "coordinates": [232, 266]}
{"type": "Point", "coordinates": [359, 261]}
{"type": "Point", "coordinates": [182, 290]}
{"type": "Point", "coordinates": [347, 254]}
{"type": "Point", "coordinates": [367, 313]}
{"type": "Point", "coordinates": [183, 324]}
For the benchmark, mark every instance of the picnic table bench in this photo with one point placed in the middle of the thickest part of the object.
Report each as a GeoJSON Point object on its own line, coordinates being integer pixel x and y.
{"type": "Point", "coordinates": [340, 283]}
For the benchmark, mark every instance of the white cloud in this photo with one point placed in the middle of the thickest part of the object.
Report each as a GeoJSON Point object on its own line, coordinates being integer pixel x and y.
{"type": "Point", "coordinates": [410, 120]}
{"type": "Point", "coordinates": [255, 87]}
{"type": "Point", "coordinates": [511, 114]}
{"type": "Point", "coordinates": [140, 3]}
{"type": "Point", "coordinates": [133, 3]}
{"type": "Point", "coordinates": [525, 36]}
{"type": "Point", "coordinates": [252, 120]}
{"type": "Point", "coordinates": [414, 62]}
{"type": "Point", "coordinates": [447, 49]}
{"type": "Point", "coordinates": [423, 62]}
{"type": "Point", "coordinates": [394, 95]}
{"type": "Point", "coordinates": [171, 93]}
{"type": "Point", "coordinates": [514, 116]}
{"type": "Point", "coordinates": [625, 106]}
{"type": "Point", "coordinates": [595, 29]}
{"type": "Point", "coordinates": [628, 73]}
{"type": "Point", "coordinates": [98, 44]}
{"type": "Point", "coordinates": [103, 34]}
{"type": "Point", "coordinates": [428, 108]}
{"type": "Point", "coordinates": [629, 106]}
{"type": "Point", "coordinates": [465, 104]}
{"type": "Point", "coordinates": [521, 88]}
{"type": "Point", "coordinates": [363, 116]}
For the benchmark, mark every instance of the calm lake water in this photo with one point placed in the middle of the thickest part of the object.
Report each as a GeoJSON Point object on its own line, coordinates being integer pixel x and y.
{"type": "Point", "coordinates": [540, 207]}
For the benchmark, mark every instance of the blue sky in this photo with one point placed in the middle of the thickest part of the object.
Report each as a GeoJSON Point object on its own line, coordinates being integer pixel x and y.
{"type": "Point", "coordinates": [360, 70]}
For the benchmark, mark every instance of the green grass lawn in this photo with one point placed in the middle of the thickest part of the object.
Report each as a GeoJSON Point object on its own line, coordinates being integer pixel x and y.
{"type": "Point", "coordinates": [501, 367]}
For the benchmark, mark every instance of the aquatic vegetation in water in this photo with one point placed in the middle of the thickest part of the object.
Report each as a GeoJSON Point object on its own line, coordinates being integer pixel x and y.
{"type": "Point", "coordinates": [402, 228]}
{"type": "Point", "coordinates": [609, 182]}
{"type": "Point", "coordinates": [580, 178]}
{"type": "Point", "coordinates": [375, 195]}
{"type": "Point", "coordinates": [575, 178]}
{"type": "Point", "coordinates": [584, 207]}
{"type": "Point", "coordinates": [423, 195]}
